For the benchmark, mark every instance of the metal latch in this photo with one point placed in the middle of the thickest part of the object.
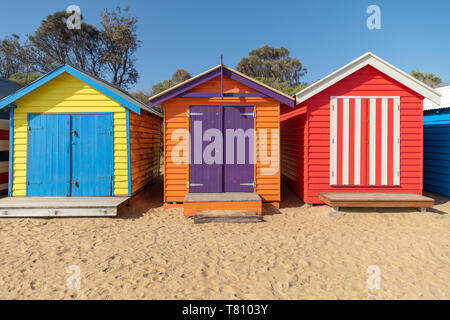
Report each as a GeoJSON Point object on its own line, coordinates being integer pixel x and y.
{"type": "Point", "coordinates": [252, 114]}
{"type": "Point", "coordinates": [252, 184]}
{"type": "Point", "coordinates": [189, 114]}
{"type": "Point", "coordinates": [75, 183]}
{"type": "Point", "coordinates": [194, 184]}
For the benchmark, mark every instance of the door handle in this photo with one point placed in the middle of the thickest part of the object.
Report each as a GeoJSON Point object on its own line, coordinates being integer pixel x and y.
{"type": "Point", "coordinates": [75, 183]}
{"type": "Point", "coordinates": [74, 133]}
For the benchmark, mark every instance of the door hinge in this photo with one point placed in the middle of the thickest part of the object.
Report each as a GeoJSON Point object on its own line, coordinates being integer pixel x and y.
{"type": "Point", "coordinates": [251, 184]}
{"type": "Point", "coordinates": [332, 173]}
{"type": "Point", "coordinates": [189, 114]}
{"type": "Point", "coordinates": [188, 185]}
{"type": "Point", "coordinates": [252, 114]}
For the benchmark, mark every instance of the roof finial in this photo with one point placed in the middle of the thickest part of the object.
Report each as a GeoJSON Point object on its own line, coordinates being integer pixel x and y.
{"type": "Point", "coordinates": [221, 59]}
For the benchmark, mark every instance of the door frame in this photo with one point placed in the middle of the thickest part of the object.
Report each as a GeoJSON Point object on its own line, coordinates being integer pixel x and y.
{"type": "Point", "coordinates": [231, 104]}
{"type": "Point", "coordinates": [333, 146]}
{"type": "Point", "coordinates": [70, 166]}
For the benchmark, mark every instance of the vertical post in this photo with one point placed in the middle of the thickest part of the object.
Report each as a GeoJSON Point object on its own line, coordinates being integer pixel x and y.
{"type": "Point", "coordinates": [11, 148]}
{"type": "Point", "coordinates": [221, 76]}
{"type": "Point", "coordinates": [127, 112]}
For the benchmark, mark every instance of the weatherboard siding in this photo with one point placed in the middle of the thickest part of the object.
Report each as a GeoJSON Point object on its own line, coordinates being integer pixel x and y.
{"type": "Point", "coordinates": [145, 144]}
{"type": "Point", "coordinates": [67, 94]}
{"type": "Point", "coordinates": [436, 144]}
{"type": "Point", "coordinates": [367, 81]}
{"type": "Point", "coordinates": [293, 153]}
{"type": "Point", "coordinates": [176, 175]}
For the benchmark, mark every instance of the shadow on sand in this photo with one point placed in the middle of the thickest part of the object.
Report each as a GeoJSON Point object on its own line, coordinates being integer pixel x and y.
{"type": "Point", "coordinates": [149, 198]}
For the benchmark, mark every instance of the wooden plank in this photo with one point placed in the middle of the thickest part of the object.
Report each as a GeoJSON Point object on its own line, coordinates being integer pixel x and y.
{"type": "Point", "coordinates": [227, 216]}
{"type": "Point", "coordinates": [189, 208]}
{"type": "Point", "coordinates": [62, 202]}
{"type": "Point", "coordinates": [222, 197]}
{"type": "Point", "coordinates": [60, 212]}
{"type": "Point", "coordinates": [373, 199]}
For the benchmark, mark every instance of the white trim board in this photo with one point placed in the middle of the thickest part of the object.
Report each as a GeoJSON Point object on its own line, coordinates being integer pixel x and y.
{"type": "Point", "coordinates": [379, 64]}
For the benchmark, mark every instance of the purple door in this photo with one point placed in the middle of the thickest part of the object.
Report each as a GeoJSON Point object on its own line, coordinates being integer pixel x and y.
{"type": "Point", "coordinates": [205, 175]}
{"type": "Point", "coordinates": [238, 174]}
{"type": "Point", "coordinates": [221, 149]}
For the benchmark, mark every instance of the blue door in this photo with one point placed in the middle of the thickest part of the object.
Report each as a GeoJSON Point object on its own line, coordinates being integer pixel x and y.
{"type": "Point", "coordinates": [48, 155]}
{"type": "Point", "coordinates": [70, 155]}
{"type": "Point", "coordinates": [92, 154]}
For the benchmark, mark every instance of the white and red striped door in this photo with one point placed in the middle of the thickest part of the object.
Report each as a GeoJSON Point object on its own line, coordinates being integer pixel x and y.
{"type": "Point", "coordinates": [365, 141]}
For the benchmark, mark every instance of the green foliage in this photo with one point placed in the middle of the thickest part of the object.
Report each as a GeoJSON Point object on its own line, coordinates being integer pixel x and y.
{"type": "Point", "coordinates": [14, 57]}
{"type": "Point", "coordinates": [120, 43]}
{"type": "Point", "coordinates": [25, 78]}
{"type": "Point", "coordinates": [284, 87]}
{"type": "Point", "coordinates": [274, 67]}
{"type": "Point", "coordinates": [108, 53]}
{"type": "Point", "coordinates": [178, 76]}
{"type": "Point", "coordinates": [143, 97]}
{"type": "Point", "coordinates": [55, 44]}
{"type": "Point", "coordinates": [428, 78]}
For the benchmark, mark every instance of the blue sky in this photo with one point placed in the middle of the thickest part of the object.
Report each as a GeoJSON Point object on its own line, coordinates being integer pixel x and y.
{"type": "Point", "coordinates": [323, 34]}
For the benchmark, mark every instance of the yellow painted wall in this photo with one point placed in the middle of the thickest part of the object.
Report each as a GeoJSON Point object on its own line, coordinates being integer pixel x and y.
{"type": "Point", "coordinates": [66, 93]}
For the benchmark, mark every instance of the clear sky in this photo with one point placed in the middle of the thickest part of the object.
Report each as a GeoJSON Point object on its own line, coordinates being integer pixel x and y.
{"type": "Point", "coordinates": [323, 34]}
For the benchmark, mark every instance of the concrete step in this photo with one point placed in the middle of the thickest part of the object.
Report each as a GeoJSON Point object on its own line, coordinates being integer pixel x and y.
{"type": "Point", "coordinates": [227, 216]}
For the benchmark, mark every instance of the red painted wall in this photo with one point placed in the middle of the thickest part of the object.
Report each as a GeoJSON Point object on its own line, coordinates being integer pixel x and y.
{"type": "Point", "coordinates": [310, 134]}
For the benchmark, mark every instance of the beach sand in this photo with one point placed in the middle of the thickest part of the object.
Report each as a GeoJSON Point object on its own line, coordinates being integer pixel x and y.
{"type": "Point", "coordinates": [298, 253]}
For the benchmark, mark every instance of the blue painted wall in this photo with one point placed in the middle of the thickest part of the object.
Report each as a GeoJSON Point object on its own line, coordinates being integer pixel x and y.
{"type": "Point", "coordinates": [436, 152]}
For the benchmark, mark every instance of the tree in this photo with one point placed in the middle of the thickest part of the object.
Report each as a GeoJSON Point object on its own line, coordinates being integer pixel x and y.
{"type": "Point", "coordinates": [55, 44]}
{"type": "Point", "coordinates": [284, 87]}
{"type": "Point", "coordinates": [25, 78]}
{"type": "Point", "coordinates": [274, 67]}
{"type": "Point", "coordinates": [120, 44]}
{"type": "Point", "coordinates": [178, 76]}
{"type": "Point", "coordinates": [13, 56]}
{"type": "Point", "coordinates": [428, 78]}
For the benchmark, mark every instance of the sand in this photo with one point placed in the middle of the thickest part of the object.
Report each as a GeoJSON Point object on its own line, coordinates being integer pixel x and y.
{"type": "Point", "coordinates": [298, 253]}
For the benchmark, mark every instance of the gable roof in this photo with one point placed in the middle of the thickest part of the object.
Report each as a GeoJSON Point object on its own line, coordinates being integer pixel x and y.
{"type": "Point", "coordinates": [7, 87]}
{"type": "Point", "coordinates": [445, 100]}
{"type": "Point", "coordinates": [124, 98]}
{"type": "Point", "coordinates": [212, 73]}
{"type": "Point", "coordinates": [379, 64]}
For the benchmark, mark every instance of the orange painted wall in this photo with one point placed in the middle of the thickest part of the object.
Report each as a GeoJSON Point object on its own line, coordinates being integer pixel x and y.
{"type": "Point", "coordinates": [175, 117]}
{"type": "Point", "coordinates": [313, 133]}
{"type": "Point", "coordinates": [145, 145]}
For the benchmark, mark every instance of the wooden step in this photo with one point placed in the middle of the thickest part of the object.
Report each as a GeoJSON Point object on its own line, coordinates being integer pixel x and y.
{"type": "Point", "coordinates": [61, 206]}
{"type": "Point", "coordinates": [227, 216]}
{"type": "Point", "coordinates": [375, 199]}
{"type": "Point", "coordinates": [221, 201]}
{"type": "Point", "coordinates": [336, 200]}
